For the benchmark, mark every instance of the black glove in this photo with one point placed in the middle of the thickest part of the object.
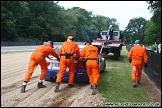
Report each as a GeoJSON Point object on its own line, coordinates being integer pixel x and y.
{"type": "Point", "coordinates": [58, 59]}
{"type": "Point", "coordinates": [130, 60]}
{"type": "Point", "coordinates": [48, 57]}
{"type": "Point", "coordinates": [145, 65]}
{"type": "Point", "coordinates": [83, 59]}
{"type": "Point", "coordinates": [84, 63]}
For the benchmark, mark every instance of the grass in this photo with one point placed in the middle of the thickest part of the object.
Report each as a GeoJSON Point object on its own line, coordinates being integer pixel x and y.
{"type": "Point", "coordinates": [115, 83]}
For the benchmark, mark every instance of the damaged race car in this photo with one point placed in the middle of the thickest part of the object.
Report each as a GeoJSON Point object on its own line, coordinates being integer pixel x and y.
{"type": "Point", "coordinates": [80, 72]}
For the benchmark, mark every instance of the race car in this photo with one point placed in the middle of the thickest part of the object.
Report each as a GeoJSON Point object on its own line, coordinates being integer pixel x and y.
{"type": "Point", "coordinates": [80, 72]}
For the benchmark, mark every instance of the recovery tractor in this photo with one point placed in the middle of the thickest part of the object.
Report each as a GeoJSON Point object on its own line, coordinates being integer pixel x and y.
{"type": "Point", "coordinates": [109, 41]}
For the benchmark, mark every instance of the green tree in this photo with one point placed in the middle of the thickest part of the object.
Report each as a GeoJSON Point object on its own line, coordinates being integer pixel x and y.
{"type": "Point", "coordinates": [135, 29]}
{"type": "Point", "coordinates": [44, 20]}
{"type": "Point", "coordinates": [151, 34]}
{"type": "Point", "coordinates": [11, 13]}
{"type": "Point", "coordinates": [155, 8]}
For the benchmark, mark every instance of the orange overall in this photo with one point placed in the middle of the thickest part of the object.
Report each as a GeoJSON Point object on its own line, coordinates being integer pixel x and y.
{"type": "Point", "coordinates": [91, 54]}
{"type": "Point", "coordinates": [137, 54]}
{"type": "Point", "coordinates": [70, 48]}
{"type": "Point", "coordinates": [38, 57]}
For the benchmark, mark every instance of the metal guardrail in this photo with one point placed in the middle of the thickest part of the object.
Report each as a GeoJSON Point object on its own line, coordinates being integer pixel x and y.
{"type": "Point", "coordinates": [20, 43]}
{"type": "Point", "coordinates": [31, 43]}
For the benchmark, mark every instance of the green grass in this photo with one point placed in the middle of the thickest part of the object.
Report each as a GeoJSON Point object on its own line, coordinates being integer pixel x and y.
{"type": "Point", "coordinates": [115, 83]}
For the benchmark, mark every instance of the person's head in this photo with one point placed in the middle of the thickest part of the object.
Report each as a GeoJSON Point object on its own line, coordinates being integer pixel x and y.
{"type": "Point", "coordinates": [51, 43]}
{"type": "Point", "coordinates": [70, 38]}
{"type": "Point", "coordinates": [137, 42]}
{"type": "Point", "coordinates": [88, 42]}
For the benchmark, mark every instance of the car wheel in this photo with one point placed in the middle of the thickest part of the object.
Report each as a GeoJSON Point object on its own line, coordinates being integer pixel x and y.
{"type": "Point", "coordinates": [104, 67]}
{"type": "Point", "coordinates": [53, 79]}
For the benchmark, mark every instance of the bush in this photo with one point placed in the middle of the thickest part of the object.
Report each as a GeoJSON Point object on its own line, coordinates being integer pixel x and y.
{"type": "Point", "coordinates": [24, 39]}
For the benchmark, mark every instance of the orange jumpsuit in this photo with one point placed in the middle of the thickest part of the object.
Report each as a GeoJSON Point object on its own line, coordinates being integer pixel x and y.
{"type": "Point", "coordinates": [91, 52]}
{"type": "Point", "coordinates": [70, 48]}
{"type": "Point", "coordinates": [137, 54]}
{"type": "Point", "coordinates": [38, 57]}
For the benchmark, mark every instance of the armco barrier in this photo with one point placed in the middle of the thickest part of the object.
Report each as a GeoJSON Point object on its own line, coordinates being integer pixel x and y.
{"type": "Point", "coordinates": [20, 43]}
{"type": "Point", "coordinates": [153, 70]}
{"type": "Point", "coordinates": [31, 43]}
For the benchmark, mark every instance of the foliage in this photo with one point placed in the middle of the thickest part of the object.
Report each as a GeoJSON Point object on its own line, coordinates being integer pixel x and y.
{"type": "Point", "coordinates": [48, 21]}
{"type": "Point", "coordinates": [148, 32]}
{"type": "Point", "coordinates": [155, 8]}
{"type": "Point", "coordinates": [24, 39]}
{"type": "Point", "coordinates": [151, 34]}
{"type": "Point", "coordinates": [43, 21]}
{"type": "Point", "coordinates": [135, 29]}
{"type": "Point", "coordinates": [11, 13]}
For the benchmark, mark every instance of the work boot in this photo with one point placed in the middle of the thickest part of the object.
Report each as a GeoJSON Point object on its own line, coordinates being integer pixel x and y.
{"type": "Point", "coordinates": [134, 84]}
{"type": "Point", "coordinates": [57, 87]}
{"type": "Point", "coordinates": [40, 85]}
{"type": "Point", "coordinates": [94, 91]}
{"type": "Point", "coordinates": [23, 88]}
{"type": "Point", "coordinates": [71, 85]}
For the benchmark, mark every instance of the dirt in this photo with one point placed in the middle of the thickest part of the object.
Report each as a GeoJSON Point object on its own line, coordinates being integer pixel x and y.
{"type": "Point", "coordinates": [13, 70]}
{"type": "Point", "coordinates": [152, 91]}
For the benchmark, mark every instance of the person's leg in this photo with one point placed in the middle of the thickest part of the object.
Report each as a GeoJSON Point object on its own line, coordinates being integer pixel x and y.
{"type": "Point", "coordinates": [139, 70]}
{"type": "Point", "coordinates": [134, 70]}
{"type": "Point", "coordinates": [43, 65]}
{"type": "Point", "coordinates": [95, 75]}
{"type": "Point", "coordinates": [60, 75]}
{"type": "Point", "coordinates": [32, 65]}
{"type": "Point", "coordinates": [61, 72]}
{"type": "Point", "coordinates": [71, 73]}
{"type": "Point", "coordinates": [89, 73]}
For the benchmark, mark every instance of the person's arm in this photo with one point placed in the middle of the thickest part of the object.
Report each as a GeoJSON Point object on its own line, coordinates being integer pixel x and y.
{"type": "Point", "coordinates": [77, 52]}
{"type": "Point", "coordinates": [53, 53]}
{"type": "Point", "coordinates": [82, 54]}
{"type": "Point", "coordinates": [130, 56]}
{"type": "Point", "coordinates": [145, 56]}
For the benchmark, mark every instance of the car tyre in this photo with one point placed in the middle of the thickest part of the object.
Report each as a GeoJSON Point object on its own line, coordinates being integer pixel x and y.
{"type": "Point", "coordinates": [104, 67]}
